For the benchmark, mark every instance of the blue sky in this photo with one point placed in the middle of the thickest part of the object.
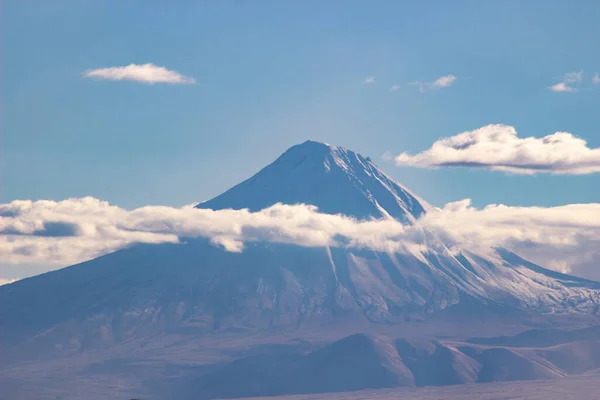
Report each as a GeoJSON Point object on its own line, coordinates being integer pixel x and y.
{"type": "Point", "coordinates": [273, 74]}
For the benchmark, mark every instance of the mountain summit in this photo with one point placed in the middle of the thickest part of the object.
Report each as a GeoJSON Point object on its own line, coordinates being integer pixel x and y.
{"type": "Point", "coordinates": [336, 180]}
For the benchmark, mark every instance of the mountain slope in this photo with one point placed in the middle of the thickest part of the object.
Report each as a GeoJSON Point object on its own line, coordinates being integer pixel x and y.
{"type": "Point", "coordinates": [542, 337]}
{"type": "Point", "coordinates": [197, 284]}
{"type": "Point", "coordinates": [140, 311]}
{"type": "Point", "coordinates": [336, 180]}
{"type": "Point", "coordinates": [196, 287]}
{"type": "Point", "coordinates": [352, 363]}
{"type": "Point", "coordinates": [363, 361]}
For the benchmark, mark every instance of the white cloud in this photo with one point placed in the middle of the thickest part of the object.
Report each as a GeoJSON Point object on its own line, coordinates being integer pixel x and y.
{"type": "Point", "coordinates": [562, 87]}
{"type": "Point", "coordinates": [566, 238]}
{"type": "Point", "coordinates": [369, 80]}
{"type": "Point", "coordinates": [596, 79]}
{"type": "Point", "coordinates": [7, 281]}
{"type": "Point", "coordinates": [439, 83]}
{"type": "Point", "coordinates": [394, 88]}
{"type": "Point", "coordinates": [74, 230]}
{"type": "Point", "coordinates": [568, 78]}
{"type": "Point", "coordinates": [147, 73]}
{"type": "Point", "coordinates": [498, 148]}
{"type": "Point", "coordinates": [444, 81]}
{"type": "Point", "coordinates": [77, 229]}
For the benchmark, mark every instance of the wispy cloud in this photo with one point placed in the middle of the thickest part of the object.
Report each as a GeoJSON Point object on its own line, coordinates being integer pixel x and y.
{"type": "Point", "coordinates": [439, 83]}
{"type": "Point", "coordinates": [596, 79]}
{"type": "Point", "coordinates": [567, 81]}
{"type": "Point", "coordinates": [562, 87]}
{"type": "Point", "coordinates": [369, 80]}
{"type": "Point", "coordinates": [394, 88]}
{"type": "Point", "coordinates": [7, 281]}
{"type": "Point", "coordinates": [387, 156]}
{"type": "Point", "coordinates": [572, 77]}
{"type": "Point", "coordinates": [444, 81]}
{"type": "Point", "coordinates": [146, 73]}
{"type": "Point", "coordinates": [498, 148]}
{"type": "Point", "coordinates": [567, 236]}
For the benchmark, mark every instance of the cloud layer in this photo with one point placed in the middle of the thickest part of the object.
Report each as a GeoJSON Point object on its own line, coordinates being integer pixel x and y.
{"type": "Point", "coordinates": [498, 147]}
{"type": "Point", "coordinates": [146, 73]}
{"type": "Point", "coordinates": [564, 238]}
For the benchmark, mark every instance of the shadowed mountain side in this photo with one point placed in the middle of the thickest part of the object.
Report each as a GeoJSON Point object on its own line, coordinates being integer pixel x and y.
{"type": "Point", "coordinates": [541, 337]}
{"type": "Point", "coordinates": [197, 288]}
{"type": "Point", "coordinates": [373, 361]}
{"type": "Point", "coordinates": [354, 363]}
{"type": "Point", "coordinates": [434, 364]}
{"type": "Point", "coordinates": [574, 357]}
{"type": "Point", "coordinates": [504, 364]}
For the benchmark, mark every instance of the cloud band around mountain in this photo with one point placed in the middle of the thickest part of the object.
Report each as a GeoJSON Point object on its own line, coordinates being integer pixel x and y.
{"type": "Point", "coordinates": [146, 73]}
{"type": "Point", "coordinates": [564, 238]}
{"type": "Point", "coordinates": [498, 148]}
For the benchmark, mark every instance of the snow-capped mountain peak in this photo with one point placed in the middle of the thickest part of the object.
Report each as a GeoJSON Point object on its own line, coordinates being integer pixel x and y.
{"type": "Point", "coordinates": [334, 179]}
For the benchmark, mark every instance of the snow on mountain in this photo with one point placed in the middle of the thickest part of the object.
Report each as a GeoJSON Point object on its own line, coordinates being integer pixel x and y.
{"type": "Point", "coordinates": [186, 319]}
{"type": "Point", "coordinates": [334, 179]}
{"type": "Point", "coordinates": [197, 287]}
{"type": "Point", "coordinates": [338, 180]}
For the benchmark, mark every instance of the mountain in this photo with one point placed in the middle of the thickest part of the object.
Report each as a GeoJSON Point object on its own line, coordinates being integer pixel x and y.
{"type": "Point", "coordinates": [352, 363]}
{"type": "Point", "coordinates": [367, 361]}
{"type": "Point", "coordinates": [541, 337]}
{"type": "Point", "coordinates": [157, 305]}
{"type": "Point", "coordinates": [334, 179]}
